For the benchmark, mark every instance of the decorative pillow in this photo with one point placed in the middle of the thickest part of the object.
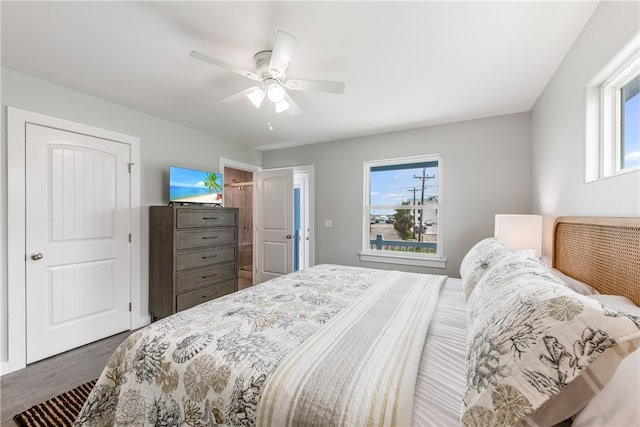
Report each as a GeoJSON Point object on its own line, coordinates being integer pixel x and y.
{"type": "Point", "coordinates": [536, 350]}
{"type": "Point", "coordinates": [477, 261]}
{"type": "Point", "coordinates": [574, 284]}
{"type": "Point", "coordinates": [617, 403]}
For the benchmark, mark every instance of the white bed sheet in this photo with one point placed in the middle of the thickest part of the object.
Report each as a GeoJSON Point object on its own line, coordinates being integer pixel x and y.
{"type": "Point", "coordinates": [441, 376]}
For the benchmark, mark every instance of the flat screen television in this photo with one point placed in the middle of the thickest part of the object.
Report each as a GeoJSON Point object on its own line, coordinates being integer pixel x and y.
{"type": "Point", "coordinates": [194, 186]}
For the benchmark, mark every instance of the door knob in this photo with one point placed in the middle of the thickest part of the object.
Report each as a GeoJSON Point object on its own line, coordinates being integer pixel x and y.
{"type": "Point", "coordinates": [36, 256]}
{"type": "Point", "coordinates": [288, 236]}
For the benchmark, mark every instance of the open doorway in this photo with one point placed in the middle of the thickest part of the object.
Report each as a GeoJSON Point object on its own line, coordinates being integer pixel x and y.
{"type": "Point", "coordinates": [301, 223]}
{"type": "Point", "coordinates": [238, 193]}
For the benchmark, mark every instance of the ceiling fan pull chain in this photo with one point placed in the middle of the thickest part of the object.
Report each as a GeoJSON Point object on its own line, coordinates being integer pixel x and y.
{"type": "Point", "coordinates": [269, 115]}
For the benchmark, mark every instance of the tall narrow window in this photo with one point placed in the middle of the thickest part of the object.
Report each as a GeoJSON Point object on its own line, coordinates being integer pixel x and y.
{"type": "Point", "coordinates": [630, 124]}
{"type": "Point", "coordinates": [612, 119]}
{"type": "Point", "coordinates": [402, 211]}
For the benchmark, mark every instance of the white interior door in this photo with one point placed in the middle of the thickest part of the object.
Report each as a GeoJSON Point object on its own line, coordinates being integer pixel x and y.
{"type": "Point", "coordinates": [274, 223]}
{"type": "Point", "coordinates": [78, 218]}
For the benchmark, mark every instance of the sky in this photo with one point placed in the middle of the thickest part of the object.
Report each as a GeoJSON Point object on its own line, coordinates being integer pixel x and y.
{"type": "Point", "coordinates": [392, 187]}
{"type": "Point", "coordinates": [182, 177]}
{"type": "Point", "coordinates": [632, 132]}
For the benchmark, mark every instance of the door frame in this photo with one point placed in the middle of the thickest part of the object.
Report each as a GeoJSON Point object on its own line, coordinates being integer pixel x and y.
{"type": "Point", "coordinates": [301, 181]}
{"type": "Point", "coordinates": [310, 199]}
{"type": "Point", "coordinates": [17, 119]}
{"type": "Point", "coordinates": [222, 162]}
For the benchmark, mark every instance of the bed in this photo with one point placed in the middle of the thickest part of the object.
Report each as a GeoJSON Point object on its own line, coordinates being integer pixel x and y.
{"type": "Point", "coordinates": [512, 342]}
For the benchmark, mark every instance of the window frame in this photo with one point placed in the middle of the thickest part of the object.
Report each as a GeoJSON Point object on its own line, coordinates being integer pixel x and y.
{"type": "Point", "coordinates": [436, 260]}
{"type": "Point", "coordinates": [603, 119]}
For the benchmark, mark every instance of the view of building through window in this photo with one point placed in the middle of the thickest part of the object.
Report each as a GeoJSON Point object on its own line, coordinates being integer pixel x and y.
{"type": "Point", "coordinates": [403, 209]}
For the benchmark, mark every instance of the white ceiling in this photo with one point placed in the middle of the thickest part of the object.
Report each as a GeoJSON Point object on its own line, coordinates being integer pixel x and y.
{"type": "Point", "coordinates": [405, 64]}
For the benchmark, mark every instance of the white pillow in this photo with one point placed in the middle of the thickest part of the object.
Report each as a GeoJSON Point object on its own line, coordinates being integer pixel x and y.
{"type": "Point", "coordinates": [617, 404]}
{"type": "Point", "coordinates": [574, 284]}
{"type": "Point", "coordinates": [617, 302]}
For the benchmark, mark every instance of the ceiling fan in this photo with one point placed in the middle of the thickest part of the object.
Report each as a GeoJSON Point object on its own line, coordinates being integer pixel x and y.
{"type": "Point", "coordinates": [271, 69]}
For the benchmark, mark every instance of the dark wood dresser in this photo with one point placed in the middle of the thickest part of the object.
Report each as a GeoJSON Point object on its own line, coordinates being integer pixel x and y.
{"type": "Point", "coordinates": [192, 256]}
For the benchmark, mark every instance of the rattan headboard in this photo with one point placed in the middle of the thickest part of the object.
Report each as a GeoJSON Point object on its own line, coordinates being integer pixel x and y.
{"type": "Point", "coordinates": [600, 251]}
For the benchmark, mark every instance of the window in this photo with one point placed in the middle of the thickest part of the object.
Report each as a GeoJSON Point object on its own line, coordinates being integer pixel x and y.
{"type": "Point", "coordinates": [612, 139]}
{"type": "Point", "coordinates": [630, 124]}
{"type": "Point", "coordinates": [401, 217]}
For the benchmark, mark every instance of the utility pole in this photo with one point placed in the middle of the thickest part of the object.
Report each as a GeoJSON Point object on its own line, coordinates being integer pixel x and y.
{"type": "Point", "coordinates": [414, 191]}
{"type": "Point", "coordinates": [424, 178]}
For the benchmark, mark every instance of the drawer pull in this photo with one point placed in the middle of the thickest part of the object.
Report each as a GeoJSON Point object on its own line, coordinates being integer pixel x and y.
{"type": "Point", "coordinates": [204, 296]}
{"type": "Point", "coordinates": [211, 275]}
{"type": "Point", "coordinates": [214, 218]}
{"type": "Point", "coordinates": [210, 256]}
{"type": "Point", "coordinates": [209, 237]}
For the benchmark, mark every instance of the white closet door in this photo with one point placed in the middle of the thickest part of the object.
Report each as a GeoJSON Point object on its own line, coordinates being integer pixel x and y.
{"type": "Point", "coordinates": [77, 239]}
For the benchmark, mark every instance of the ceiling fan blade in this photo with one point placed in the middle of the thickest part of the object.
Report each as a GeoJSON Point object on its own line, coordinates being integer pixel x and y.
{"type": "Point", "coordinates": [243, 94]}
{"type": "Point", "coordinates": [293, 109]}
{"type": "Point", "coordinates": [315, 86]}
{"type": "Point", "coordinates": [282, 53]}
{"type": "Point", "coordinates": [218, 63]}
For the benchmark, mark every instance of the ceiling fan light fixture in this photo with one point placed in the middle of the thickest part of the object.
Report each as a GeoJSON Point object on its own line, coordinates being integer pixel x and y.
{"type": "Point", "coordinates": [256, 97]}
{"type": "Point", "coordinates": [271, 68]}
{"type": "Point", "coordinates": [282, 106]}
{"type": "Point", "coordinates": [275, 93]}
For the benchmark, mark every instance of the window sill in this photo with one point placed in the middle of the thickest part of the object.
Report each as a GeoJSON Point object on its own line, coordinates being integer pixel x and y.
{"type": "Point", "coordinates": [613, 174]}
{"type": "Point", "coordinates": [403, 259]}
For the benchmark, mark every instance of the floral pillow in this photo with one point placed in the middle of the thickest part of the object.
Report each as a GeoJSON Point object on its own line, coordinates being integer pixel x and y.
{"type": "Point", "coordinates": [477, 261]}
{"type": "Point", "coordinates": [536, 350]}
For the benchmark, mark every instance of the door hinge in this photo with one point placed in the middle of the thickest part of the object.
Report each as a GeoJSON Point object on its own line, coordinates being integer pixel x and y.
{"type": "Point", "coordinates": [129, 237]}
{"type": "Point", "coordinates": [129, 306]}
{"type": "Point", "coordinates": [131, 166]}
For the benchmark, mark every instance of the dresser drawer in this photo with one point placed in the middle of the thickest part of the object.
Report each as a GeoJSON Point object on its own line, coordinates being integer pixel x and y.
{"type": "Point", "coordinates": [190, 218]}
{"type": "Point", "coordinates": [204, 257]}
{"type": "Point", "coordinates": [198, 296]}
{"type": "Point", "coordinates": [190, 279]}
{"type": "Point", "coordinates": [205, 237]}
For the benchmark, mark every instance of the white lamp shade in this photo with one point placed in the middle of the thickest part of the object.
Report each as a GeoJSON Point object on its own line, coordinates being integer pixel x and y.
{"type": "Point", "coordinates": [275, 93]}
{"type": "Point", "coordinates": [519, 232]}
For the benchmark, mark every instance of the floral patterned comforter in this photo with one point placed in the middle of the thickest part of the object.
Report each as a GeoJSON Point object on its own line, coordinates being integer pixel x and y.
{"type": "Point", "coordinates": [207, 365]}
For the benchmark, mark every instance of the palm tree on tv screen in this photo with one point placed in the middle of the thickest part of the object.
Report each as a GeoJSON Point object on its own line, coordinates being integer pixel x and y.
{"type": "Point", "coordinates": [211, 182]}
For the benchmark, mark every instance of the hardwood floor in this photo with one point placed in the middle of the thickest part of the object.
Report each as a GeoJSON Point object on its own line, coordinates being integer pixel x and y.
{"type": "Point", "coordinates": [48, 378]}
{"type": "Point", "coordinates": [244, 282]}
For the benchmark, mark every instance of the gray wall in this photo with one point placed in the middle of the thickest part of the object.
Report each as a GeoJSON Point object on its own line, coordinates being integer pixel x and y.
{"type": "Point", "coordinates": [558, 122]}
{"type": "Point", "coordinates": [486, 170]}
{"type": "Point", "coordinates": [162, 143]}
